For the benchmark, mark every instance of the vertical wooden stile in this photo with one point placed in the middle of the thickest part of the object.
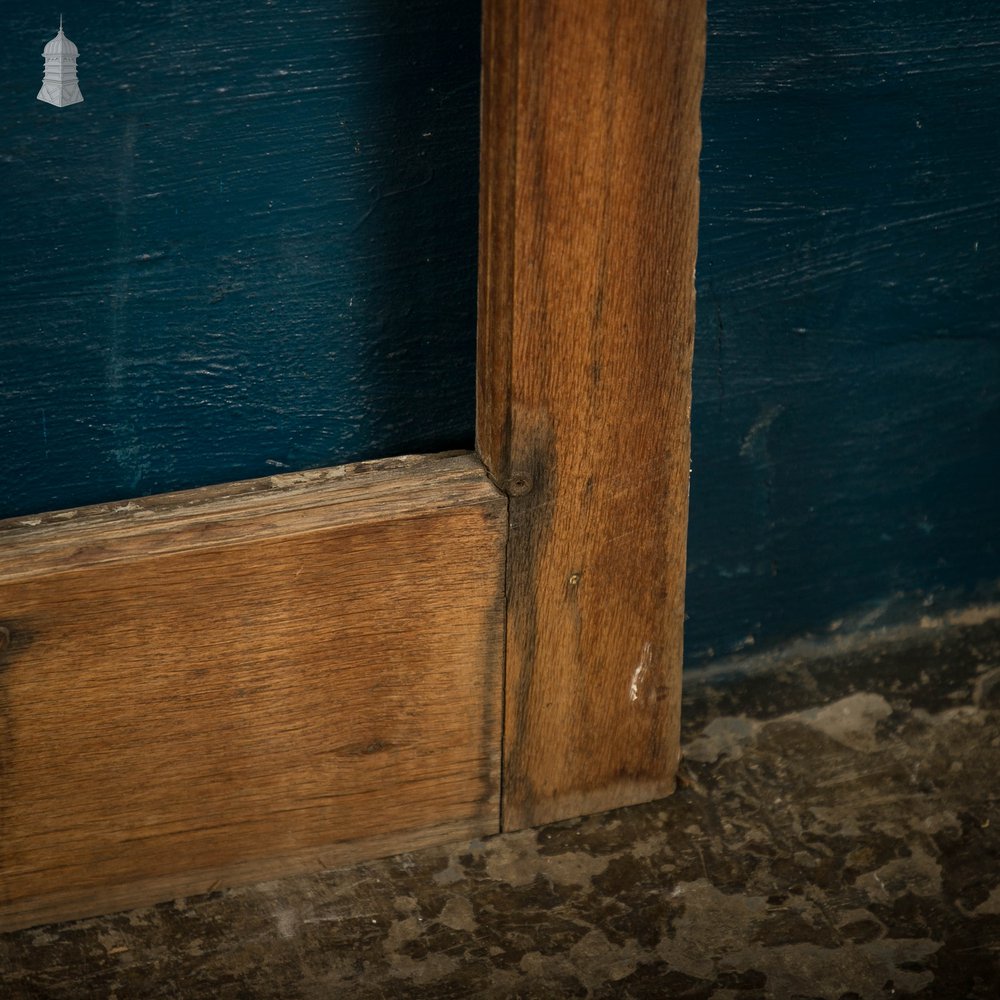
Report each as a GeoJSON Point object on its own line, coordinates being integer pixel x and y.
{"type": "Point", "coordinates": [589, 199]}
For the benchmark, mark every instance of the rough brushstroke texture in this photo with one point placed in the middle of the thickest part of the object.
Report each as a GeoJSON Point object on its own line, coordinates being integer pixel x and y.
{"type": "Point", "coordinates": [827, 846]}
{"type": "Point", "coordinates": [251, 249]}
{"type": "Point", "coordinates": [846, 419]}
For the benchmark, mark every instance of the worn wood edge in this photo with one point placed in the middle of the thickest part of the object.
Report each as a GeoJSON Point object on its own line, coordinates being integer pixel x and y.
{"type": "Point", "coordinates": [579, 803]}
{"type": "Point", "coordinates": [497, 233]}
{"type": "Point", "coordinates": [495, 305]}
{"type": "Point", "coordinates": [212, 516]}
{"type": "Point", "coordinates": [81, 904]}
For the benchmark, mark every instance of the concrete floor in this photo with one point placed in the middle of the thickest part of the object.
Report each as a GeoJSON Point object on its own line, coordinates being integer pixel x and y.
{"type": "Point", "coordinates": [836, 834]}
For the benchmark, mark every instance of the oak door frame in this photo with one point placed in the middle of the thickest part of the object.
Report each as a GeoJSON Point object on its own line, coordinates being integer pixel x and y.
{"type": "Point", "coordinates": [416, 621]}
{"type": "Point", "coordinates": [588, 232]}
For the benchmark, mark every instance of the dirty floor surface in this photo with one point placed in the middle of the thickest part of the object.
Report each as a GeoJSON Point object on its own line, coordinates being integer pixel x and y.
{"type": "Point", "coordinates": [836, 835]}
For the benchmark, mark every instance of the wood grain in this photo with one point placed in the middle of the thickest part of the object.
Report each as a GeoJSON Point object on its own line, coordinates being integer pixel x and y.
{"type": "Point", "coordinates": [588, 207]}
{"type": "Point", "coordinates": [226, 685]}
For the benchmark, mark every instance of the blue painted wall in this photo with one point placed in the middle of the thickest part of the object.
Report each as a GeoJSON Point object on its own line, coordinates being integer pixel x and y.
{"type": "Point", "coordinates": [847, 360]}
{"type": "Point", "coordinates": [251, 249]}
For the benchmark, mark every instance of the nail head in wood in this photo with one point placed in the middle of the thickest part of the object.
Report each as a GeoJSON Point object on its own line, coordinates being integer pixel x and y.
{"type": "Point", "coordinates": [520, 485]}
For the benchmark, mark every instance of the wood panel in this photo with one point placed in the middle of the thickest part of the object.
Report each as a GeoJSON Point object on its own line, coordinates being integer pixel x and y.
{"type": "Point", "coordinates": [588, 226]}
{"type": "Point", "coordinates": [223, 685]}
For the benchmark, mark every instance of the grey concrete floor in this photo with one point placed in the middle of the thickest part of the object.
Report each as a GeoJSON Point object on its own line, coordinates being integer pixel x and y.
{"type": "Point", "coordinates": [836, 834]}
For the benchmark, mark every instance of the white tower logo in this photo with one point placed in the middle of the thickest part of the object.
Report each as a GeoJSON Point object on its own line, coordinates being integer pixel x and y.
{"type": "Point", "coordinates": [59, 85]}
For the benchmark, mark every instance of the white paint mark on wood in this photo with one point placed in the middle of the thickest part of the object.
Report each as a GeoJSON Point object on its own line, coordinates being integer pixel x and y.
{"type": "Point", "coordinates": [644, 660]}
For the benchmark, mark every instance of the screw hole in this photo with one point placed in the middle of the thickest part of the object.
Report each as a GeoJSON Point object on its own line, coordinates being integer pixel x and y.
{"type": "Point", "coordinates": [520, 484]}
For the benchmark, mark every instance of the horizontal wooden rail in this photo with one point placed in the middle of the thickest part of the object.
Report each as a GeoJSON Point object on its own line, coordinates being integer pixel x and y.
{"type": "Point", "coordinates": [214, 687]}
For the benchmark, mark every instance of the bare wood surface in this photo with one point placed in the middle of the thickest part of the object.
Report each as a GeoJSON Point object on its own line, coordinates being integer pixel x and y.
{"type": "Point", "coordinates": [226, 685]}
{"type": "Point", "coordinates": [217, 515]}
{"type": "Point", "coordinates": [588, 207]}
